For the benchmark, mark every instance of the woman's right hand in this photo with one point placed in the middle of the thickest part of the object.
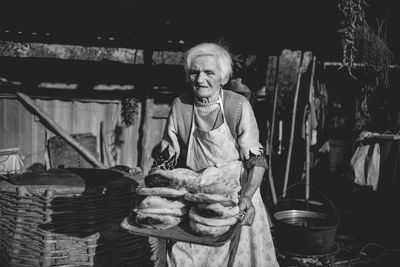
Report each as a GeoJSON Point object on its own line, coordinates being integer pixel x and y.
{"type": "Point", "coordinates": [247, 206]}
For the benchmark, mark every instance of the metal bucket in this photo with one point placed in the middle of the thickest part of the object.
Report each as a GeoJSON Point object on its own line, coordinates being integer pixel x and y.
{"type": "Point", "coordinates": [307, 231]}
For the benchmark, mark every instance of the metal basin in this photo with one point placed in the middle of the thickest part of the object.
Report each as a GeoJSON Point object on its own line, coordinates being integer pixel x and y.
{"type": "Point", "coordinates": [305, 232]}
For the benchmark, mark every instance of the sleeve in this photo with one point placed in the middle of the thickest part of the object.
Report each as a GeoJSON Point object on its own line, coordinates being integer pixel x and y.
{"type": "Point", "coordinates": [169, 146]}
{"type": "Point", "coordinates": [251, 151]}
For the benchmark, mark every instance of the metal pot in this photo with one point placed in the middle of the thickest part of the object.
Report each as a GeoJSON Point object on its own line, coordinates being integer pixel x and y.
{"type": "Point", "coordinates": [305, 227]}
{"type": "Point", "coordinates": [305, 232]}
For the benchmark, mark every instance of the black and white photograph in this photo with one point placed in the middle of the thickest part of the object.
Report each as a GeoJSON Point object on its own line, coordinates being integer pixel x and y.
{"type": "Point", "coordinates": [150, 133]}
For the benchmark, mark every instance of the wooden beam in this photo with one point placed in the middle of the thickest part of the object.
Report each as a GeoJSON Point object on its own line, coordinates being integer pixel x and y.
{"type": "Point", "coordinates": [89, 53]}
{"type": "Point", "coordinates": [74, 52]}
{"type": "Point", "coordinates": [356, 65]}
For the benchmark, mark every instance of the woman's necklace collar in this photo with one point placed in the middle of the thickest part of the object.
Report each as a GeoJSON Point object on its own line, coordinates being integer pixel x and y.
{"type": "Point", "coordinates": [198, 101]}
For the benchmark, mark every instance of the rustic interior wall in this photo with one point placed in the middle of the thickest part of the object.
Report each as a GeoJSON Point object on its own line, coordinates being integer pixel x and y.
{"type": "Point", "coordinates": [19, 128]}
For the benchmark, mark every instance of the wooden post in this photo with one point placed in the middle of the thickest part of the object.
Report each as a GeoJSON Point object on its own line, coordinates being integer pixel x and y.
{"type": "Point", "coordinates": [289, 155]}
{"type": "Point", "coordinates": [104, 147]}
{"type": "Point", "coordinates": [146, 139]}
{"type": "Point", "coordinates": [146, 113]}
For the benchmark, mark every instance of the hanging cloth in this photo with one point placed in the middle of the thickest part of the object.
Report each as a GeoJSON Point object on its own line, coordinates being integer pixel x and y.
{"type": "Point", "coordinates": [365, 164]}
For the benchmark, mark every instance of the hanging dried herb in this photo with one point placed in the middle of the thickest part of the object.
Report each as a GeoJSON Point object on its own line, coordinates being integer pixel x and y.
{"type": "Point", "coordinates": [353, 19]}
{"type": "Point", "coordinates": [373, 53]}
{"type": "Point", "coordinates": [365, 48]}
{"type": "Point", "coordinates": [361, 44]}
{"type": "Point", "coordinates": [129, 111]}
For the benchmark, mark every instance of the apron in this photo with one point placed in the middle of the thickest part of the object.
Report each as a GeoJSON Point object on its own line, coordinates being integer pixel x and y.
{"type": "Point", "coordinates": [215, 148]}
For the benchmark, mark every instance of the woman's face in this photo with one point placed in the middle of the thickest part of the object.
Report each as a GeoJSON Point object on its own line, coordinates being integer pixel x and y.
{"type": "Point", "coordinates": [205, 77]}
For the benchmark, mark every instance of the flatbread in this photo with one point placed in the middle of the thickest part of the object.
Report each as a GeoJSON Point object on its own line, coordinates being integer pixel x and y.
{"type": "Point", "coordinates": [221, 179]}
{"type": "Point", "coordinates": [228, 200]}
{"type": "Point", "coordinates": [205, 230]}
{"type": "Point", "coordinates": [213, 188]}
{"type": "Point", "coordinates": [194, 216]}
{"type": "Point", "coordinates": [156, 180]}
{"type": "Point", "coordinates": [160, 202]}
{"type": "Point", "coordinates": [177, 178]}
{"type": "Point", "coordinates": [164, 211]}
{"type": "Point", "coordinates": [213, 180]}
{"type": "Point", "coordinates": [217, 210]}
{"type": "Point", "coordinates": [210, 175]}
{"type": "Point", "coordinates": [230, 177]}
{"type": "Point", "coordinates": [156, 221]}
{"type": "Point", "coordinates": [161, 191]}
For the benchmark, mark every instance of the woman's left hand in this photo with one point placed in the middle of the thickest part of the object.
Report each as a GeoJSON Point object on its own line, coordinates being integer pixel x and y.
{"type": "Point", "coordinates": [247, 206]}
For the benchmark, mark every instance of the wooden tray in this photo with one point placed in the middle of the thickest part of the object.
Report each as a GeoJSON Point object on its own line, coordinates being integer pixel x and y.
{"type": "Point", "coordinates": [181, 232]}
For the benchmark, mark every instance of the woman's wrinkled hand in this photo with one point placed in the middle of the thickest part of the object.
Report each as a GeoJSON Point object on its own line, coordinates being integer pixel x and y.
{"type": "Point", "coordinates": [247, 206]}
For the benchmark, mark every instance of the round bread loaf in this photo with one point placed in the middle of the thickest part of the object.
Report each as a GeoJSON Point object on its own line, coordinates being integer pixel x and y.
{"type": "Point", "coordinates": [161, 191]}
{"type": "Point", "coordinates": [194, 216]}
{"type": "Point", "coordinates": [156, 180]}
{"type": "Point", "coordinates": [214, 188]}
{"type": "Point", "coordinates": [178, 177]}
{"type": "Point", "coordinates": [217, 210]}
{"type": "Point", "coordinates": [160, 202]}
{"type": "Point", "coordinates": [205, 230]}
{"type": "Point", "coordinates": [229, 200]}
{"type": "Point", "coordinates": [164, 211]}
{"type": "Point", "coordinates": [156, 221]}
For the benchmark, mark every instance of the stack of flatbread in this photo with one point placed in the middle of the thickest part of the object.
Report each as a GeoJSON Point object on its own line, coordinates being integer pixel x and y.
{"type": "Point", "coordinates": [214, 201]}
{"type": "Point", "coordinates": [214, 209]}
{"type": "Point", "coordinates": [159, 213]}
{"type": "Point", "coordinates": [210, 195]}
{"type": "Point", "coordinates": [163, 205]}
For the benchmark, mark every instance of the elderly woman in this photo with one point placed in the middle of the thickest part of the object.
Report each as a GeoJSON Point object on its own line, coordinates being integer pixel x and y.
{"type": "Point", "coordinates": [210, 126]}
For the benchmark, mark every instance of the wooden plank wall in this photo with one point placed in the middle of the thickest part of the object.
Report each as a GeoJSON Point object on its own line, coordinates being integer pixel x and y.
{"type": "Point", "coordinates": [19, 128]}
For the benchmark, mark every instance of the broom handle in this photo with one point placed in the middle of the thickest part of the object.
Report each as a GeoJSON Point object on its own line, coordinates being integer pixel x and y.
{"type": "Point", "coordinates": [271, 136]}
{"type": "Point", "coordinates": [296, 96]}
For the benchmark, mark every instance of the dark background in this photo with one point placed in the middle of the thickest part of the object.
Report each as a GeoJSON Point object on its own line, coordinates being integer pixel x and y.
{"type": "Point", "coordinates": [245, 26]}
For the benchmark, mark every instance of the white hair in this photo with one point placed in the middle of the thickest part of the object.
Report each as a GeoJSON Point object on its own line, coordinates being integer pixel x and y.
{"type": "Point", "coordinates": [224, 60]}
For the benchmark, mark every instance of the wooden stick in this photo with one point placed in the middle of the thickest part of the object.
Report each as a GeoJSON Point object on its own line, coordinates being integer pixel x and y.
{"type": "Point", "coordinates": [104, 147]}
{"type": "Point", "coordinates": [271, 136]}
{"type": "Point", "coordinates": [147, 111]}
{"type": "Point", "coordinates": [308, 130]}
{"type": "Point", "coordinates": [308, 127]}
{"type": "Point", "coordinates": [289, 155]}
{"type": "Point", "coordinates": [56, 129]}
